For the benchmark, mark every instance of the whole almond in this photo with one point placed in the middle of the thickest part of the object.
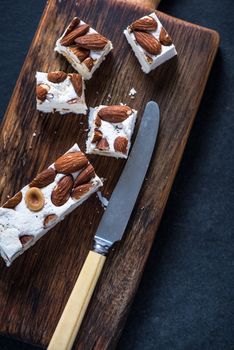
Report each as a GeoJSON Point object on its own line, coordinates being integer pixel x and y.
{"type": "Point", "coordinates": [121, 144]}
{"type": "Point", "coordinates": [97, 135]}
{"type": "Point", "coordinates": [148, 42]}
{"type": "Point", "coordinates": [13, 201]}
{"type": "Point", "coordinates": [34, 199]}
{"type": "Point", "coordinates": [92, 41]}
{"type": "Point", "coordinates": [81, 190]}
{"type": "Point", "coordinates": [44, 178]}
{"type": "Point", "coordinates": [74, 23]}
{"type": "Point", "coordinates": [89, 63]}
{"type": "Point", "coordinates": [70, 162]}
{"type": "Point", "coordinates": [77, 82]}
{"type": "Point", "coordinates": [62, 190]}
{"type": "Point", "coordinates": [103, 144]}
{"type": "Point", "coordinates": [68, 39]}
{"type": "Point", "coordinates": [165, 38]}
{"type": "Point", "coordinates": [115, 114]}
{"type": "Point", "coordinates": [144, 24]}
{"type": "Point", "coordinates": [49, 219]}
{"type": "Point", "coordinates": [56, 77]}
{"type": "Point", "coordinates": [25, 239]}
{"type": "Point", "coordinates": [41, 91]}
{"type": "Point", "coordinates": [85, 176]}
{"type": "Point", "coordinates": [80, 53]}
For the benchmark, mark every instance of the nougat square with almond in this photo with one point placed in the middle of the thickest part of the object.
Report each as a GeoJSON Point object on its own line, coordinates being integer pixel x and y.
{"type": "Point", "coordinates": [60, 92]}
{"type": "Point", "coordinates": [83, 47]}
{"type": "Point", "coordinates": [111, 129]}
{"type": "Point", "coordinates": [150, 42]}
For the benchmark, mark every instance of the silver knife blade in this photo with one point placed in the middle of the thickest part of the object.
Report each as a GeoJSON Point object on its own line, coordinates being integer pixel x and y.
{"type": "Point", "coordinates": [124, 196]}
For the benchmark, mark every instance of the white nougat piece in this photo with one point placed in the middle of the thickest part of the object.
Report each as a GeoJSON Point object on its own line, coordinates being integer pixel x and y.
{"type": "Point", "coordinates": [111, 129]}
{"type": "Point", "coordinates": [84, 48]}
{"type": "Point", "coordinates": [60, 92]}
{"type": "Point", "coordinates": [136, 35]}
{"type": "Point", "coordinates": [39, 206]}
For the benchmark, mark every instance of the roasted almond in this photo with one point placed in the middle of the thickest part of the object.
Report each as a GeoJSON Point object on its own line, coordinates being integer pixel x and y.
{"type": "Point", "coordinates": [98, 121]}
{"type": "Point", "coordinates": [80, 53]}
{"type": "Point", "coordinates": [92, 41]}
{"type": "Point", "coordinates": [148, 42]}
{"type": "Point", "coordinates": [144, 24]}
{"type": "Point", "coordinates": [97, 135]}
{"type": "Point", "coordinates": [80, 191]}
{"type": "Point", "coordinates": [56, 77]}
{"type": "Point", "coordinates": [69, 38]}
{"type": "Point", "coordinates": [49, 219]}
{"type": "Point", "coordinates": [25, 239]}
{"type": "Point", "coordinates": [34, 199]}
{"type": "Point", "coordinates": [62, 190]}
{"type": "Point", "coordinates": [74, 23]}
{"type": "Point", "coordinates": [77, 82]}
{"type": "Point", "coordinates": [70, 162]}
{"type": "Point", "coordinates": [115, 114]}
{"type": "Point", "coordinates": [13, 201]}
{"type": "Point", "coordinates": [89, 63]}
{"type": "Point", "coordinates": [103, 144]}
{"type": "Point", "coordinates": [121, 144]}
{"type": "Point", "coordinates": [41, 91]}
{"type": "Point", "coordinates": [165, 38]}
{"type": "Point", "coordinates": [85, 176]}
{"type": "Point", "coordinates": [44, 178]}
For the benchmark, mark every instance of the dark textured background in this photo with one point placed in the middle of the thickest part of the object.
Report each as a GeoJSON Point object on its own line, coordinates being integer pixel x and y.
{"type": "Point", "coordinates": [186, 297]}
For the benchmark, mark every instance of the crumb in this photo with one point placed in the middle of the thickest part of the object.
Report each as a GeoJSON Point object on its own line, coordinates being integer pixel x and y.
{"type": "Point", "coordinates": [132, 93]}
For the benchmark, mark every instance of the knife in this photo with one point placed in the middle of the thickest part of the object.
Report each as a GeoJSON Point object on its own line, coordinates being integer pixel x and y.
{"type": "Point", "coordinates": [110, 229]}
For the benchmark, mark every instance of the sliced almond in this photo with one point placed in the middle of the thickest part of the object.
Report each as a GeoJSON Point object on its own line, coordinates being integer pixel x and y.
{"type": "Point", "coordinates": [97, 135]}
{"type": "Point", "coordinates": [121, 144]}
{"type": "Point", "coordinates": [144, 24]}
{"type": "Point", "coordinates": [74, 23]}
{"type": "Point", "coordinates": [148, 42]}
{"type": "Point", "coordinates": [92, 41]}
{"type": "Point", "coordinates": [80, 53]}
{"type": "Point", "coordinates": [103, 144]}
{"type": "Point", "coordinates": [81, 190]}
{"type": "Point", "coordinates": [85, 176]}
{"type": "Point", "coordinates": [165, 38]}
{"type": "Point", "coordinates": [68, 39]}
{"type": "Point", "coordinates": [70, 162]}
{"type": "Point", "coordinates": [62, 190]}
{"type": "Point", "coordinates": [44, 178]}
{"type": "Point", "coordinates": [56, 77]}
{"type": "Point", "coordinates": [41, 91]}
{"type": "Point", "coordinates": [89, 63]}
{"type": "Point", "coordinates": [14, 201]}
{"type": "Point", "coordinates": [77, 82]}
{"type": "Point", "coordinates": [49, 219]}
{"type": "Point", "coordinates": [34, 199]}
{"type": "Point", "coordinates": [115, 114]}
{"type": "Point", "coordinates": [149, 59]}
{"type": "Point", "coordinates": [25, 239]}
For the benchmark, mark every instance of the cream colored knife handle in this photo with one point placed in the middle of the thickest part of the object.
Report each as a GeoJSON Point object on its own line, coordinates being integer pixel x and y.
{"type": "Point", "coordinates": [146, 3]}
{"type": "Point", "coordinates": [73, 314]}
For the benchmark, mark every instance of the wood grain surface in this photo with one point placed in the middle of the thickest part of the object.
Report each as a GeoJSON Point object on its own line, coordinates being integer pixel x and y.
{"type": "Point", "coordinates": [34, 291]}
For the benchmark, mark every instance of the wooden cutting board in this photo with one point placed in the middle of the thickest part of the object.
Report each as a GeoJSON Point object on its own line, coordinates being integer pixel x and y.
{"type": "Point", "coordinates": [34, 291]}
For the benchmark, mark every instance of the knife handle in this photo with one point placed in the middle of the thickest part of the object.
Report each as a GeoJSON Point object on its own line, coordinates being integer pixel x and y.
{"type": "Point", "coordinates": [73, 314]}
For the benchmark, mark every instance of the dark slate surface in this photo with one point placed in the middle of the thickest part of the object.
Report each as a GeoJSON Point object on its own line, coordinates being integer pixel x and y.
{"type": "Point", "coordinates": [186, 298]}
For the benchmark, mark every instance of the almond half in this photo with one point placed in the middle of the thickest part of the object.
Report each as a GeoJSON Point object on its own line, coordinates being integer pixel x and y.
{"type": "Point", "coordinates": [41, 92]}
{"type": "Point", "coordinates": [44, 178]}
{"type": "Point", "coordinates": [115, 114]}
{"type": "Point", "coordinates": [92, 41]}
{"type": "Point", "coordinates": [121, 144]}
{"type": "Point", "coordinates": [165, 38]}
{"type": "Point", "coordinates": [103, 144]}
{"type": "Point", "coordinates": [97, 136]}
{"type": "Point", "coordinates": [14, 201]}
{"type": "Point", "coordinates": [85, 176]}
{"type": "Point", "coordinates": [77, 82]}
{"type": "Point", "coordinates": [25, 239]}
{"type": "Point", "coordinates": [80, 191]}
{"type": "Point", "coordinates": [80, 53]}
{"type": "Point", "coordinates": [62, 190]}
{"type": "Point", "coordinates": [56, 77]}
{"type": "Point", "coordinates": [144, 24]}
{"type": "Point", "coordinates": [89, 62]}
{"type": "Point", "coordinates": [68, 39]}
{"type": "Point", "coordinates": [148, 42]}
{"type": "Point", "coordinates": [70, 162]}
{"type": "Point", "coordinates": [49, 219]}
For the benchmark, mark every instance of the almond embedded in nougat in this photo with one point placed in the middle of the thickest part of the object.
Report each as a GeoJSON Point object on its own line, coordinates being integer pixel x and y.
{"type": "Point", "coordinates": [115, 114]}
{"type": "Point", "coordinates": [62, 190]}
{"type": "Point", "coordinates": [148, 42]}
{"type": "Point", "coordinates": [41, 92]}
{"type": "Point", "coordinates": [56, 77]}
{"type": "Point", "coordinates": [74, 23]}
{"type": "Point", "coordinates": [121, 144]}
{"type": "Point", "coordinates": [89, 63]}
{"type": "Point", "coordinates": [44, 178]}
{"type": "Point", "coordinates": [77, 82]}
{"type": "Point", "coordinates": [144, 24]}
{"type": "Point", "coordinates": [97, 135]}
{"type": "Point", "coordinates": [165, 38]}
{"type": "Point", "coordinates": [14, 201]}
{"type": "Point", "coordinates": [103, 144]}
{"type": "Point", "coordinates": [91, 41]}
{"type": "Point", "coordinates": [81, 190]}
{"type": "Point", "coordinates": [85, 176]}
{"type": "Point", "coordinates": [68, 39]}
{"type": "Point", "coordinates": [70, 162]}
{"type": "Point", "coordinates": [80, 53]}
{"type": "Point", "coordinates": [25, 239]}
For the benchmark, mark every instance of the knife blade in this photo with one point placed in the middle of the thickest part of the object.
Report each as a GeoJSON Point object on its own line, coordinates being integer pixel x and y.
{"type": "Point", "coordinates": [110, 229]}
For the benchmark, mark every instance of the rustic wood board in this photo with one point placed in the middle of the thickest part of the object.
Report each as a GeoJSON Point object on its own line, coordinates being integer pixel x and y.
{"type": "Point", "coordinates": [33, 292]}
